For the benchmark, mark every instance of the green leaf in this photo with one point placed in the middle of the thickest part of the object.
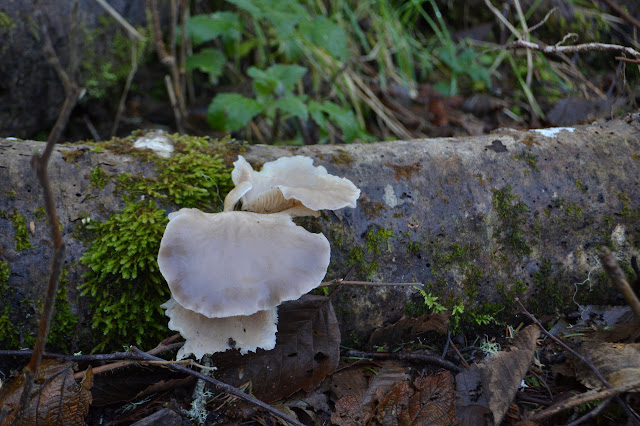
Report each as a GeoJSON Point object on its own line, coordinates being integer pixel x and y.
{"type": "Point", "coordinates": [248, 6]}
{"type": "Point", "coordinates": [345, 119]}
{"type": "Point", "coordinates": [316, 111]}
{"type": "Point", "coordinates": [293, 105]}
{"type": "Point", "coordinates": [208, 60]}
{"type": "Point", "coordinates": [325, 33]}
{"type": "Point", "coordinates": [203, 28]}
{"type": "Point", "coordinates": [230, 111]}
{"type": "Point", "coordinates": [277, 80]}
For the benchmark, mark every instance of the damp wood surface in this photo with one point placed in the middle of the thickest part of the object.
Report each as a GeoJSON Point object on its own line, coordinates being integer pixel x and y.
{"type": "Point", "coordinates": [480, 221]}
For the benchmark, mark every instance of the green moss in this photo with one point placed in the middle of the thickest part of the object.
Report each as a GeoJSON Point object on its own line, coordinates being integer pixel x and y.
{"type": "Point", "coordinates": [580, 186]}
{"type": "Point", "coordinates": [64, 322]}
{"type": "Point", "coordinates": [98, 178]}
{"type": "Point", "coordinates": [371, 209]}
{"type": "Point", "coordinates": [549, 290]}
{"type": "Point", "coordinates": [4, 276]}
{"type": "Point", "coordinates": [40, 213]}
{"type": "Point", "coordinates": [530, 159]}
{"type": "Point", "coordinates": [375, 238]}
{"type": "Point", "coordinates": [342, 157]}
{"type": "Point", "coordinates": [124, 285]}
{"type": "Point", "coordinates": [512, 215]}
{"type": "Point", "coordinates": [573, 210]}
{"type": "Point", "coordinates": [72, 155]}
{"type": "Point", "coordinates": [21, 232]}
{"type": "Point", "coordinates": [11, 193]}
{"type": "Point", "coordinates": [9, 334]}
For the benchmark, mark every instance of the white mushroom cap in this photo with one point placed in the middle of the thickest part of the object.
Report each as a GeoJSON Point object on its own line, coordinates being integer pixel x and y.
{"type": "Point", "coordinates": [289, 183]}
{"type": "Point", "coordinates": [238, 263]}
{"type": "Point", "coordinates": [205, 335]}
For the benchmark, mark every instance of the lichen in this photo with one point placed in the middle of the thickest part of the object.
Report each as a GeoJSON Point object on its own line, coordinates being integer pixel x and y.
{"type": "Point", "coordinates": [21, 232]}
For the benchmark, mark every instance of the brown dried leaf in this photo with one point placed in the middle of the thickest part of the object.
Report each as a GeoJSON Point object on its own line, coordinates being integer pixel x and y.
{"type": "Point", "coordinates": [349, 412]}
{"type": "Point", "coordinates": [433, 402]}
{"type": "Point", "coordinates": [493, 383]}
{"type": "Point", "coordinates": [407, 329]}
{"type": "Point", "coordinates": [393, 408]}
{"type": "Point", "coordinates": [56, 398]}
{"type": "Point", "coordinates": [619, 363]}
{"type": "Point", "coordinates": [389, 375]}
{"type": "Point", "coordinates": [307, 350]}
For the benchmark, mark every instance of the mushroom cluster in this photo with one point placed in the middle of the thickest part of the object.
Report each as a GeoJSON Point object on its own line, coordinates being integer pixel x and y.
{"type": "Point", "coordinates": [229, 271]}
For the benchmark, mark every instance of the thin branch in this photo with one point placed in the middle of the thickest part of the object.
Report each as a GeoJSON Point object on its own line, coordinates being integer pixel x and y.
{"type": "Point", "coordinates": [221, 386]}
{"type": "Point", "coordinates": [174, 103]}
{"type": "Point", "coordinates": [367, 283]}
{"type": "Point", "coordinates": [612, 268]}
{"type": "Point", "coordinates": [584, 398]}
{"type": "Point", "coordinates": [585, 360]}
{"type": "Point", "coordinates": [620, 11]}
{"type": "Point", "coordinates": [127, 86]}
{"type": "Point", "coordinates": [591, 414]}
{"type": "Point", "coordinates": [39, 162]}
{"type": "Point", "coordinates": [576, 48]}
{"type": "Point", "coordinates": [502, 19]}
{"type": "Point", "coordinates": [422, 358]}
{"type": "Point", "coordinates": [123, 22]}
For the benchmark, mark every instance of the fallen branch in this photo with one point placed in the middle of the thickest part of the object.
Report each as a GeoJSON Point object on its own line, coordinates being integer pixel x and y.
{"type": "Point", "coordinates": [576, 48]}
{"type": "Point", "coordinates": [220, 386]}
{"type": "Point", "coordinates": [585, 360]}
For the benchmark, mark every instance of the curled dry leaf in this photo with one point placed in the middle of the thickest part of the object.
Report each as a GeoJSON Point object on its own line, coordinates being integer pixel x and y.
{"type": "Point", "coordinates": [619, 363]}
{"type": "Point", "coordinates": [307, 350]}
{"type": "Point", "coordinates": [56, 398]}
{"type": "Point", "coordinates": [493, 383]}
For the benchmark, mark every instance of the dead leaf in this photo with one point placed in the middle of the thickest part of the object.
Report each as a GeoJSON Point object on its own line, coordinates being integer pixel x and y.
{"type": "Point", "coordinates": [56, 398]}
{"type": "Point", "coordinates": [394, 406]}
{"type": "Point", "coordinates": [433, 402]}
{"type": "Point", "coordinates": [619, 363]}
{"type": "Point", "coordinates": [307, 350]}
{"type": "Point", "coordinates": [493, 383]}
{"type": "Point", "coordinates": [389, 375]}
{"type": "Point", "coordinates": [349, 412]}
{"type": "Point", "coordinates": [406, 329]}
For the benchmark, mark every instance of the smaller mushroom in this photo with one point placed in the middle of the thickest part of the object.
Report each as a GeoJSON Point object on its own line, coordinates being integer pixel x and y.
{"type": "Point", "coordinates": [204, 335]}
{"type": "Point", "coordinates": [291, 185]}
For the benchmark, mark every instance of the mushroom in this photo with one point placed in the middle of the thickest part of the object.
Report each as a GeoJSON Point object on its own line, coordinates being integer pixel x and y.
{"type": "Point", "coordinates": [292, 185]}
{"type": "Point", "coordinates": [237, 263]}
{"type": "Point", "coordinates": [206, 335]}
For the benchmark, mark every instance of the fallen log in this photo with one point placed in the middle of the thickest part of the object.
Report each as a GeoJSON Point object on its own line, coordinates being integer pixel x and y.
{"type": "Point", "coordinates": [479, 221]}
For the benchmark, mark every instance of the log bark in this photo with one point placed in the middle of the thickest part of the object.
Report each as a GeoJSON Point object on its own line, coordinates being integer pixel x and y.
{"type": "Point", "coordinates": [478, 220]}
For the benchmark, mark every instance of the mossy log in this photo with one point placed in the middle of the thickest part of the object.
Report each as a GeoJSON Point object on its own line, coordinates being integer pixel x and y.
{"type": "Point", "coordinates": [479, 221]}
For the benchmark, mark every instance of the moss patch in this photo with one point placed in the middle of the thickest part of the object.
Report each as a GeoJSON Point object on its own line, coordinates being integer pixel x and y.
{"type": "Point", "coordinates": [64, 322]}
{"type": "Point", "coordinates": [512, 215]}
{"type": "Point", "coordinates": [21, 232]}
{"type": "Point", "coordinates": [124, 285]}
{"type": "Point", "coordinates": [342, 157]}
{"type": "Point", "coordinates": [529, 159]}
{"type": "Point", "coordinates": [98, 178]}
{"type": "Point", "coordinates": [405, 172]}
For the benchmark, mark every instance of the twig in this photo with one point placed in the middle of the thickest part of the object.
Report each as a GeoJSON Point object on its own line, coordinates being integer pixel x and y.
{"type": "Point", "coordinates": [174, 103]}
{"type": "Point", "coordinates": [123, 22]}
{"type": "Point", "coordinates": [612, 268]}
{"type": "Point", "coordinates": [127, 86]}
{"type": "Point", "coordinates": [39, 162]}
{"type": "Point", "coordinates": [620, 11]}
{"type": "Point", "coordinates": [462, 360]}
{"type": "Point", "coordinates": [525, 30]}
{"type": "Point", "coordinates": [220, 386]}
{"type": "Point", "coordinates": [591, 414]}
{"type": "Point", "coordinates": [585, 360]}
{"type": "Point", "coordinates": [429, 359]}
{"type": "Point", "coordinates": [541, 23]}
{"type": "Point", "coordinates": [584, 398]}
{"type": "Point", "coordinates": [576, 48]}
{"type": "Point", "coordinates": [379, 284]}
{"type": "Point", "coordinates": [170, 61]}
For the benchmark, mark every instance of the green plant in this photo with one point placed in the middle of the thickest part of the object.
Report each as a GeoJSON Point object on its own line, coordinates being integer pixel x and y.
{"type": "Point", "coordinates": [124, 284]}
{"type": "Point", "coordinates": [431, 302]}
